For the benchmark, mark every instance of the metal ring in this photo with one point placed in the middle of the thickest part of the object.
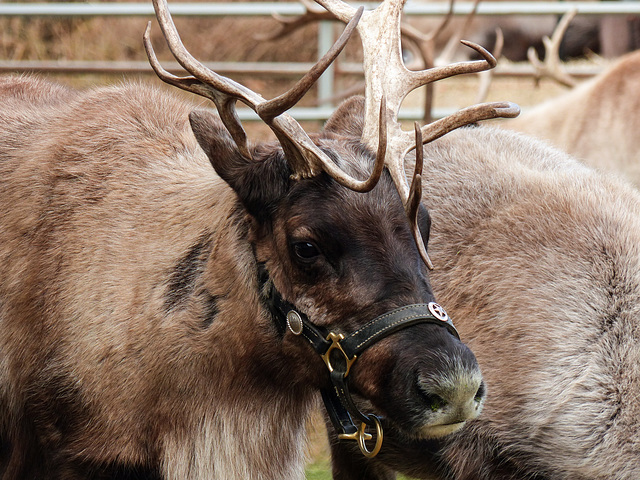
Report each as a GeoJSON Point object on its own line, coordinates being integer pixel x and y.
{"type": "Point", "coordinates": [361, 438]}
{"type": "Point", "coordinates": [335, 344]}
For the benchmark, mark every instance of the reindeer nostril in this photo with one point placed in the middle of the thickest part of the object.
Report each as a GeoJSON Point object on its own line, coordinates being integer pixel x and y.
{"type": "Point", "coordinates": [434, 402]}
{"type": "Point", "coordinates": [480, 393]}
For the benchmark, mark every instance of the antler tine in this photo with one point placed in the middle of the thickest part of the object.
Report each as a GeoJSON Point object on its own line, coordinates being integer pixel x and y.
{"type": "Point", "coordinates": [382, 150]}
{"type": "Point", "coordinates": [552, 66]}
{"type": "Point", "coordinates": [290, 24]}
{"type": "Point", "coordinates": [184, 83]}
{"type": "Point", "coordinates": [432, 74]}
{"type": "Point", "coordinates": [216, 85]}
{"type": "Point", "coordinates": [416, 35]}
{"type": "Point", "coordinates": [486, 77]}
{"type": "Point", "coordinates": [417, 79]}
{"type": "Point", "coordinates": [226, 108]}
{"type": "Point", "coordinates": [204, 82]}
{"type": "Point", "coordinates": [426, 46]}
{"type": "Point", "coordinates": [284, 102]}
{"type": "Point", "coordinates": [446, 55]}
{"type": "Point", "coordinates": [415, 196]}
{"type": "Point", "coordinates": [466, 116]}
{"type": "Point", "coordinates": [402, 142]}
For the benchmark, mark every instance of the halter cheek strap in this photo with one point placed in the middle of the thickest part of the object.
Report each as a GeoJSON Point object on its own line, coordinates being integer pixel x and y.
{"type": "Point", "coordinates": [339, 353]}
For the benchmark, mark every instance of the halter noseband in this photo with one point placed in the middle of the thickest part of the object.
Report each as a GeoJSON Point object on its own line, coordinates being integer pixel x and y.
{"type": "Point", "coordinates": [328, 345]}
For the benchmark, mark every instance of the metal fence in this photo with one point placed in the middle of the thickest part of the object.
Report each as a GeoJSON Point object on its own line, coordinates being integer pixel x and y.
{"type": "Point", "coordinates": [325, 37]}
{"type": "Point", "coordinates": [267, 8]}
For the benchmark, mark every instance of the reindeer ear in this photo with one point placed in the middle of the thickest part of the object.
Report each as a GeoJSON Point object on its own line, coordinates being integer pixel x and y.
{"type": "Point", "coordinates": [259, 182]}
{"type": "Point", "coordinates": [348, 119]}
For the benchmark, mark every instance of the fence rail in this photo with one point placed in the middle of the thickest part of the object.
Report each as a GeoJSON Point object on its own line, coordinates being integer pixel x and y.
{"type": "Point", "coordinates": [267, 8]}
{"type": "Point", "coordinates": [239, 68]}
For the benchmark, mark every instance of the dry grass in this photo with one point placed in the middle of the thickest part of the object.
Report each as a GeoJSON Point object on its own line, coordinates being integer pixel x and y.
{"type": "Point", "coordinates": [115, 38]}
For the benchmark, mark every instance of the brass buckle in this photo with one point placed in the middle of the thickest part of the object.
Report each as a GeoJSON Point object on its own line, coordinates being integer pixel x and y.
{"type": "Point", "coordinates": [335, 339]}
{"type": "Point", "coordinates": [361, 436]}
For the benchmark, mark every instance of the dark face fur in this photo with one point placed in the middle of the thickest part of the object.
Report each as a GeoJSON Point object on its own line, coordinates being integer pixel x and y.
{"type": "Point", "coordinates": [343, 258]}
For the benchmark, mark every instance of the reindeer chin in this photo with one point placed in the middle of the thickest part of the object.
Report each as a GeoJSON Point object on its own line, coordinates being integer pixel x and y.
{"type": "Point", "coordinates": [442, 430]}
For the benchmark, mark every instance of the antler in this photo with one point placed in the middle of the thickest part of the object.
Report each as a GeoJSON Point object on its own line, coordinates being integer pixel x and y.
{"type": "Point", "coordinates": [552, 66]}
{"type": "Point", "coordinates": [448, 52]}
{"type": "Point", "coordinates": [486, 77]}
{"type": "Point", "coordinates": [290, 24]}
{"type": "Point", "coordinates": [426, 47]}
{"type": "Point", "coordinates": [421, 44]}
{"type": "Point", "coordinates": [387, 79]}
{"type": "Point", "coordinates": [387, 76]}
{"type": "Point", "coordinates": [304, 157]}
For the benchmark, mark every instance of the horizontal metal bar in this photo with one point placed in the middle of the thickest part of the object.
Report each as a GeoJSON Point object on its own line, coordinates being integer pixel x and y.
{"type": "Point", "coordinates": [242, 68]}
{"type": "Point", "coordinates": [323, 113]}
{"type": "Point", "coordinates": [293, 8]}
{"type": "Point", "coordinates": [525, 8]}
{"type": "Point", "coordinates": [503, 69]}
{"type": "Point", "coordinates": [224, 68]}
{"type": "Point", "coordinates": [146, 9]}
{"type": "Point", "coordinates": [528, 70]}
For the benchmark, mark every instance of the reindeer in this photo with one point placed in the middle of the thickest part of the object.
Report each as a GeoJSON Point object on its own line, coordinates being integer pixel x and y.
{"type": "Point", "coordinates": [161, 318]}
{"type": "Point", "coordinates": [597, 120]}
{"type": "Point", "coordinates": [540, 261]}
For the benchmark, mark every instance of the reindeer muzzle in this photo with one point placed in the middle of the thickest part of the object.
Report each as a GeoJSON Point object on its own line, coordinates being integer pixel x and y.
{"type": "Point", "coordinates": [339, 353]}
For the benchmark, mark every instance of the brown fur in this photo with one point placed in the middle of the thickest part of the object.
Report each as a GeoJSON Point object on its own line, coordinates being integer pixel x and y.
{"type": "Point", "coordinates": [596, 122]}
{"type": "Point", "coordinates": [134, 342]}
{"type": "Point", "coordinates": [539, 258]}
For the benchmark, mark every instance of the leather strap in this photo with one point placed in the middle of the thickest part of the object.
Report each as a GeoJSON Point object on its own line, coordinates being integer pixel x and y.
{"type": "Point", "coordinates": [391, 322]}
{"type": "Point", "coordinates": [338, 414]}
{"type": "Point", "coordinates": [337, 400]}
{"type": "Point", "coordinates": [280, 308]}
{"type": "Point", "coordinates": [373, 331]}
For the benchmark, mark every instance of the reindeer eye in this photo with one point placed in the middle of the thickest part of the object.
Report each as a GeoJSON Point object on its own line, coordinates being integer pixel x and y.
{"type": "Point", "coordinates": [305, 250]}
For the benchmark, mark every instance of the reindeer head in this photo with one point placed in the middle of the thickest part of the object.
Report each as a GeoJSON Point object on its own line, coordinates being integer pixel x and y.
{"type": "Point", "coordinates": [329, 230]}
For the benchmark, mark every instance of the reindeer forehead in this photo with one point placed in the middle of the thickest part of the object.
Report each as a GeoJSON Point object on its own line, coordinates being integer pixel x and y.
{"type": "Point", "coordinates": [348, 153]}
{"type": "Point", "coordinates": [323, 192]}
{"type": "Point", "coordinates": [323, 208]}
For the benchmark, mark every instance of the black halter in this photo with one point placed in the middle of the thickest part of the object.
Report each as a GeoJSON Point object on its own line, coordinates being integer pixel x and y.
{"type": "Point", "coordinates": [328, 345]}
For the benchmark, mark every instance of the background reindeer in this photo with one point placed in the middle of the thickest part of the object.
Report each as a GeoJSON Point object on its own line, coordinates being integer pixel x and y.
{"type": "Point", "coordinates": [597, 120]}
{"type": "Point", "coordinates": [539, 256]}
{"type": "Point", "coordinates": [141, 288]}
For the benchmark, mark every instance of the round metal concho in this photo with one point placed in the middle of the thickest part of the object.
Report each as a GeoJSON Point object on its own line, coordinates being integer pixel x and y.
{"type": "Point", "coordinates": [294, 322]}
{"type": "Point", "coordinates": [438, 312]}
